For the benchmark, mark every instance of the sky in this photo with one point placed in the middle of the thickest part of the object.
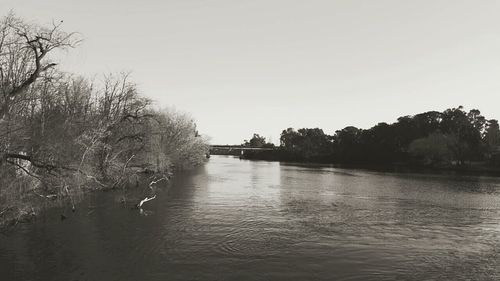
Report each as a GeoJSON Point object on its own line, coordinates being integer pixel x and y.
{"type": "Point", "coordinates": [241, 67]}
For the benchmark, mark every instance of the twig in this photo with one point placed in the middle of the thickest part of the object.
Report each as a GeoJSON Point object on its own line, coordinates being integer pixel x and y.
{"type": "Point", "coordinates": [24, 169]}
{"type": "Point", "coordinates": [96, 180]}
{"type": "Point", "coordinates": [50, 196]}
{"type": "Point", "coordinates": [118, 181]}
{"type": "Point", "coordinates": [5, 210]}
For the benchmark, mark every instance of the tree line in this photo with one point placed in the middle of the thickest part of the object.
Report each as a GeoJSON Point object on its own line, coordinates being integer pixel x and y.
{"type": "Point", "coordinates": [452, 137]}
{"type": "Point", "coordinates": [62, 134]}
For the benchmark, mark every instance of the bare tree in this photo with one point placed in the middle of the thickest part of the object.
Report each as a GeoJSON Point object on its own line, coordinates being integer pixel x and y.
{"type": "Point", "coordinates": [24, 59]}
{"type": "Point", "coordinates": [24, 50]}
{"type": "Point", "coordinates": [61, 134]}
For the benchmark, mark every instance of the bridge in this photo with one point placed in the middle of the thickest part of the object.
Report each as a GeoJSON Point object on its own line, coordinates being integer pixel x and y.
{"type": "Point", "coordinates": [236, 150]}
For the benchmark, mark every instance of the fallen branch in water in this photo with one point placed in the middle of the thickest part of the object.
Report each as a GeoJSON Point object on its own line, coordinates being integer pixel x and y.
{"type": "Point", "coordinates": [145, 200]}
{"type": "Point", "coordinates": [155, 182]}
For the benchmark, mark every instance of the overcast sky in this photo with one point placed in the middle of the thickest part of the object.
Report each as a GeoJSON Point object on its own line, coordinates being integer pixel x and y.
{"type": "Point", "coordinates": [261, 66]}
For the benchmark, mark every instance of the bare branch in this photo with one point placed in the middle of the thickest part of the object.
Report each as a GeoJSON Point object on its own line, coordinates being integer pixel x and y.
{"type": "Point", "coordinates": [145, 200]}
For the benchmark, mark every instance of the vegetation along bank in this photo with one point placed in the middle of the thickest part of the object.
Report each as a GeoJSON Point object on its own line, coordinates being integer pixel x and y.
{"type": "Point", "coordinates": [62, 134]}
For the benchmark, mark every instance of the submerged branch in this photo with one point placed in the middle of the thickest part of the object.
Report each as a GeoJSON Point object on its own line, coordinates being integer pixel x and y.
{"type": "Point", "coordinates": [145, 200]}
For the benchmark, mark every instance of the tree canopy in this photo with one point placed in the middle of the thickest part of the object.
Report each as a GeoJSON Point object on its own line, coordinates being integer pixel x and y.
{"type": "Point", "coordinates": [257, 141]}
{"type": "Point", "coordinates": [453, 136]}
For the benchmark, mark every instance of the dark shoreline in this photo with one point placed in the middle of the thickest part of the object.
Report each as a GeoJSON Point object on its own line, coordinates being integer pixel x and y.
{"type": "Point", "coordinates": [474, 170]}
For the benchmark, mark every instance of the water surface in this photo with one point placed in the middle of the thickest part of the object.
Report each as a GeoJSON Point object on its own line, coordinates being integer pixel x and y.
{"type": "Point", "coordinates": [254, 220]}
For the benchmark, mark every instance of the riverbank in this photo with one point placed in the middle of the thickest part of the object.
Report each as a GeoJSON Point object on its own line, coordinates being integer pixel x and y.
{"type": "Point", "coordinates": [472, 168]}
{"type": "Point", "coordinates": [63, 135]}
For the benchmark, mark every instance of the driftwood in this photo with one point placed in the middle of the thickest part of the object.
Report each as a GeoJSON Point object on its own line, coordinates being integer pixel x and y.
{"type": "Point", "coordinates": [145, 200]}
{"type": "Point", "coordinates": [155, 182]}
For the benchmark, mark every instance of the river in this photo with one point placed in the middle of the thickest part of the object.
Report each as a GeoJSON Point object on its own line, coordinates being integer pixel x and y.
{"type": "Point", "coordinates": [254, 220]}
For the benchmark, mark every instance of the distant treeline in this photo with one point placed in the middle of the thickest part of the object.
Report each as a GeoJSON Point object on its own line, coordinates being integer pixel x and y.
{"type": "Point", "coordinates": [61, 134]}
{"type": "Point", "coordinates": [454, 137]}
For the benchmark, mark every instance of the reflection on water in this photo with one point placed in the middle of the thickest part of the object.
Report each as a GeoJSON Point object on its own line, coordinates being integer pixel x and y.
{"type": "Point", "coordinates": [253, 220]}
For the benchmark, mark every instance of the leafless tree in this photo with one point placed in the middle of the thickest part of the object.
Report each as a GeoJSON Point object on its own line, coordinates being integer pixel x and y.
{"type": "Point", "coordinates": [24, 55]}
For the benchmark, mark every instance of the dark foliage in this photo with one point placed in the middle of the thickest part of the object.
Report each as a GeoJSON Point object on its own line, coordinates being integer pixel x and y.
{"type": "Point", "coordinates": [452, 137]}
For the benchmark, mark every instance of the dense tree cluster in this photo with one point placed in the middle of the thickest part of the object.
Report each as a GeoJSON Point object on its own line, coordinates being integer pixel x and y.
{"type": "Point", "coordinates": [306, 144]}
{"type": "Point", "coordinates": [257, 141]}
{"type": "Point", "coordinates": [61, 134]}
{"type": "Point", "coordinates": [452, 137]}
